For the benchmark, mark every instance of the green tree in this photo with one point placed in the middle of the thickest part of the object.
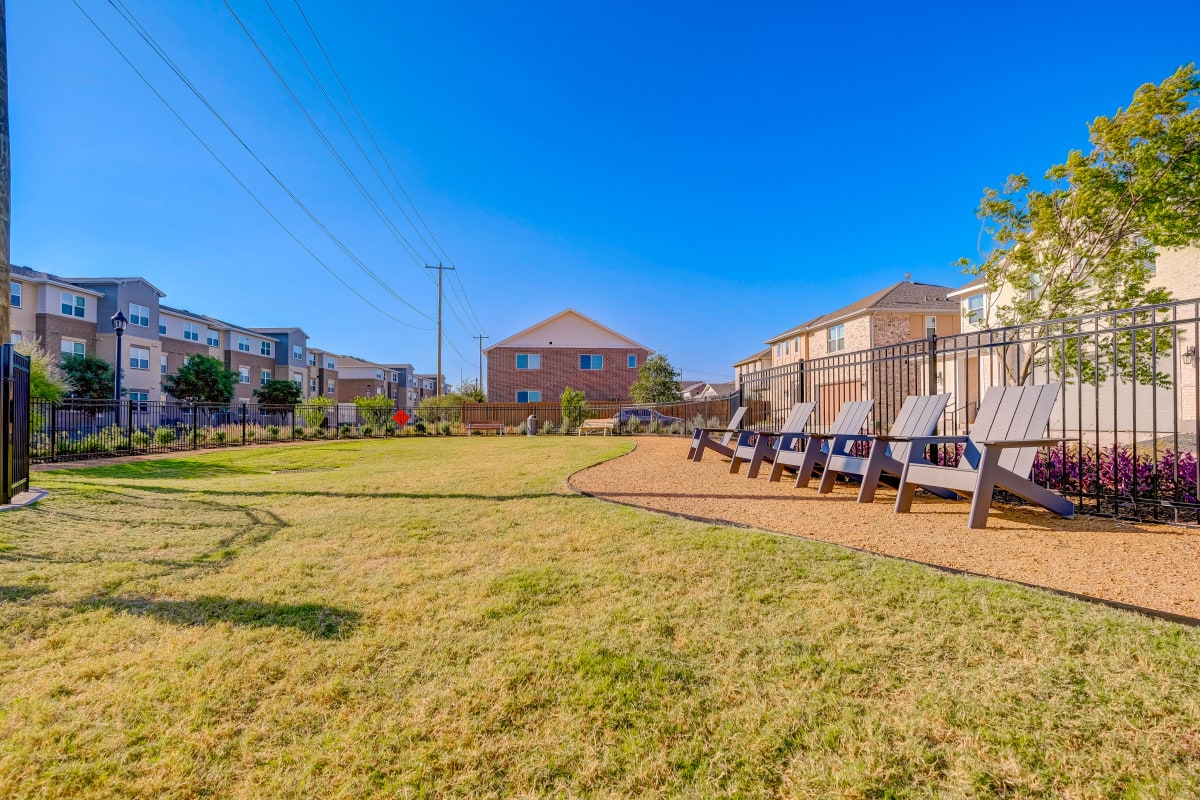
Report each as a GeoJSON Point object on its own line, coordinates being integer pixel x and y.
{"type": "Point", "coordinates": [574, 408]}
{"type": "Point", "coordinates": [201, 379]}
{"type": "Point", "coordinates": [447, 408]}
{"type": "Point", "coordinates": [1085, 241]}
{"type": "Point", "coordinates": [656, 383]}
{"type": "Point", "coordinates": [471, 392]}
{"type": "Point", "coordinates": [88, 377]}
{"type": "Point", "coordinates": [46, 380]}
{"type": "Point", "coordinates": [312, 413]}
{"type": "Point", "coordinates": [279, 393]}
{"type": "Point", "coordinates": [376, 410]}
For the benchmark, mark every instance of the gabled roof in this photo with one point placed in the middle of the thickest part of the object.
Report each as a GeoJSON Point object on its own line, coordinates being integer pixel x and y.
{"type": "Point", "coordinates": [761, 354]}
{"type": "Point", "coordinates": [25, 273]}
{"type": "Point", "coordinates": [565, 316]}
{"type": "Point", "coordinates": [104, 281]}
{"type": "Point", "coordinates": [978, 282]}
{"type": "Point", "coordinates": [902, 297]}
{"type": "Point", "coordinates": [292, 329]}
{"type": "Point", "coordinates": [182, 312]}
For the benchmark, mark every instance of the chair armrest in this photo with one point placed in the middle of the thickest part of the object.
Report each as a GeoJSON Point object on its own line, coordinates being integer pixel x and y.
{"type": "Point", "coordinates": [1006, 443]}
{"type": "Point", "coordinates": [718, 430]}
{"type": "Point", "coordinates": [923, 440]}
{"type": "Point", "coordinates": [848, 437]}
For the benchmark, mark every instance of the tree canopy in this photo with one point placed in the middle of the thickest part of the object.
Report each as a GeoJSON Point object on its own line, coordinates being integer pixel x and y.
{"type": "Point", "coordinates": [201, 379]}
{"type": "Point", "coordinates": [279, 393]}
{"type": "Point", "coordinates": [657, 382]}
{"type": "Point", "coordinates": [88, 377]}
{"type": "Point", "coordinates": [1084, 240]}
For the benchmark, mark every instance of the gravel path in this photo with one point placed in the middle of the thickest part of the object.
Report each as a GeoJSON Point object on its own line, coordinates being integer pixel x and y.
{"type": "Point", "coordinates": [1152, 566]}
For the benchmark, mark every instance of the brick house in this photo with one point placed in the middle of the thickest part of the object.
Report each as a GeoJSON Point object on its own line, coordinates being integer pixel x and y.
{"type": "Point", "coordinates": [568, 349]}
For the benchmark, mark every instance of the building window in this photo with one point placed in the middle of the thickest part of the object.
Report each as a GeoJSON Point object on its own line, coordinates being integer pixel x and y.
{"type": "Point", "coordinates": [15, 338]}
{"type": "Point", "coordinates": [837, 338]}
{"type": "Point", "coordinates": [975, 308]}
{"type": "Point", "coordinates": [378, 374]}
{"type": "Point", "coordinates": [139, 315]}
{"type": "Point", "coordinates": [244, 344]}
{"type": "Point", "coordinates": [297, 352]}
{"type": "Point", "coordinates": [779, 349]}
{"type": "Point", "coordinates": [395, 378]}
{"type": "Point", "coordinates": [162, 364]}
{"type": "Point", "coordinates": [329, 387]}
{"type": "Point", "coordinates": [14, 294]}
{"type": "Point", "coordinates": [191, 332]}
{"type": "Point", "coordinates": [312, 359]}
{"type": "Point", "coordinates": [529, 361]}
{"type": "Point", "coordinates": [213, 339]}
{"type": "Point", "coordinates": [930, 326]}
{"type": "Point", "coordinates": [529, 397]}
{"type": "Point", "coordinates": [70, 347]}
{"type": "Point", "coordinates": [787, 348]}
{"type": "Point", "coordinates": [297, 379]}
{"type": "Point", "coordinates": [1035, 286]}
{"type": "Point", "coordinates": [264, 376]}
{"type": "Point", "coordinates": [243, 374]}
{"type": "Point", "coordinates": [138, 400]}
{"type": "Point", "coordinates": [264, 348]}
{"type": "Point", "coordinates": [312, 385]}
{"type": "Point", "coordinates": [591, 362]}
{"type": "Point", "coordinates": [162, 329]}
{"type": "Point", "coordinates": [329, 364]}
{"type": "Point", "coordinates": [139, 358]}
{"type": "Point", "coordinates": [631, 361]}
{"type": "Point", "coordinates": [73, 305]}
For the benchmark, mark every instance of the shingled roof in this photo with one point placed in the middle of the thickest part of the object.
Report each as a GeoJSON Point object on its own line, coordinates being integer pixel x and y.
{"type": "Point", "coordinates": [902, 297]}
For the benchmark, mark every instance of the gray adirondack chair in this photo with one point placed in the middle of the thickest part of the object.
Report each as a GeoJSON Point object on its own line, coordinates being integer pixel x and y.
{"type": "Point", "coordinates": [755, 446]}
{"type": "Point", "coordinates": [817, 447]}
{"type": "Point", "coordinates": [702, 438]}
{"type": "Point", "coordinates": [999, 451]}
{"type": "Point", "coordinates": [919, 415]}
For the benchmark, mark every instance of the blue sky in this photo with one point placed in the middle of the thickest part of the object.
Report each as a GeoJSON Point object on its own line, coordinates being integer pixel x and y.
{"type": "Point", "coordinates": [694, 175]}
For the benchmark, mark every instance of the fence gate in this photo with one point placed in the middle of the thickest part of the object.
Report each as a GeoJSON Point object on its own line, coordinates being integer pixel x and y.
{"type": "Point", "coordinates": [14, 423]}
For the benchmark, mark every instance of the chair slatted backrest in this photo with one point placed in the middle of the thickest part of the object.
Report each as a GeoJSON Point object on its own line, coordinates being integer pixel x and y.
{"type": "Point", "coordinates": [919, 416]}
{"type": "Point", "coordinates": [734, 422]}
{"type": "Point", "coordinates": [1007, 413]}
{"type": "Point", "coordinates": [798, 418]}
{"type": "Point", "coordinates": [852, 416]}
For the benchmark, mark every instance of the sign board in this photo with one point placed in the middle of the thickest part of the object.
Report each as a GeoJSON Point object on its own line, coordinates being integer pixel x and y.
{"type": "Point", "coordinates": [401, 418]}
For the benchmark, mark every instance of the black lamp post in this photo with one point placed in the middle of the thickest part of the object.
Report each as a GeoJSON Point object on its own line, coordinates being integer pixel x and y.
{"type": "Point", "coordinates": [119, 324]}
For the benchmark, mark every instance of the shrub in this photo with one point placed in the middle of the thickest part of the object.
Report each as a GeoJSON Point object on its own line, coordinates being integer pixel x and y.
{"type": "Point", "coordinates": [677, 428]}
{"type": "Point", "coordinates": [547, 427]}
{"type": "Point", "coordinates": [298, 432]}
{"type": "Point", "coordinates": [312, 413]}
{"type": "Point", "coordinates": [164, 436]}
{"type": "Point", "coordinates": [521, 429]}
{"type": "Point", "coordinates": [389, 429]}
{"type": "Point", "coordinates": [272, 432]}
{"type": "Point", "coordinates": [366, 430]}
{"type": "Point", "coordinates": [344, 431]}
{"type": "Point", "coordinates": [419, 427]}
{"type": "Point", "coordinates": [375, 411]}
{"type": "Point", "coordinates": [140, 439]}
{"type": "Point", "coordinates": [219, 436]}
{"type": "Point", "coordinates": [633, 425]}
{"type": "Point", "coordinates": [574, 408]}
{"type": "Point", "coordinates": [446, 428]}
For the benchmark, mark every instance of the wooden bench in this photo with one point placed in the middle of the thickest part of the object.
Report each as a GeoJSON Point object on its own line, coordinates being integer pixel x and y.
{"type": "Point", "coordinates": [605, 424]}
{"type": "Point", "coordinates": [484, 425]}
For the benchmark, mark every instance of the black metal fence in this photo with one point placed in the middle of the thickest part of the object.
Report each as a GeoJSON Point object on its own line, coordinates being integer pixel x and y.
{"type": "Point", "coordinates": [1127, 410]}
{"type": "Point", "coordinates": [82, 429]}
{"type": "Point", "coordinates": [14, 423]}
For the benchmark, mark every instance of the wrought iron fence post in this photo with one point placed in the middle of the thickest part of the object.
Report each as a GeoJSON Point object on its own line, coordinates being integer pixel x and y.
{"type": "Point", "coordinates": [128, 425]}
{"type": "Point", "coordinates": [54, 432]}
{"type": "Point", "coordinates": [195, 425]}
{"type": "Point", "coordinates": [243, 424]}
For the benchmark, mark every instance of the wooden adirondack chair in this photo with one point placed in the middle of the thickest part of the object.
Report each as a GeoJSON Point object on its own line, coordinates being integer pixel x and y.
{"type": "Point", "coordinates": [817, 447]}
{"type": "Point", "coordinates": [755, 446]}
{"type": "Point", "coordinates": [702, 437]}
{"type": "Point", "coordinates": [998, 452]}
{"type": "Point", "coordinates": [919, 415]}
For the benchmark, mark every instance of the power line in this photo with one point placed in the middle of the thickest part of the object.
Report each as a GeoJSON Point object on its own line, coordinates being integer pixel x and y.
{"type": "Point", "coordinates": [131, 20]}
{"type": "Point", "coordinates": [231, 173]}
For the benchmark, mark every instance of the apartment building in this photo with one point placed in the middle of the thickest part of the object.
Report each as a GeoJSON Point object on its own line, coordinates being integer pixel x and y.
{"type": "Point", "coordinates": [408, 386]}
{"type": "Point", "coordinates": [62, 315]}
{"type": "Point", "coordinates": [250, 356]}
{"type": "Point", "coordinates": [290, 352]}
{"type": "Point", "coordinates": [321, 374]}
{"type": "Point", "coordinates": [361, 378]}
{"type": "Point", "coordinates": [567, 349]}
{"type": "Point", "coordinates": [182, 334]}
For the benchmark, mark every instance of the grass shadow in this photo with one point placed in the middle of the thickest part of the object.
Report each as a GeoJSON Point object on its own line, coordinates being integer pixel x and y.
{"type": "Point", "coordinates": [170, 468]}
{"type": "Point", "coordinates": [12, 594]}
{"type": "Point", "coordinates": [313, 619]}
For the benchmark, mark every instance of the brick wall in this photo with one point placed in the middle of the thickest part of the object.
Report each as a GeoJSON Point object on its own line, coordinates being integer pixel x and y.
{"type": "Point", "coordinates": [52, 328]}
{"type": "Point", "coordinates": [350, 388]}
{"type": "Point", "coordinates": [560, 369]}
{"type": "Point", "coordinates": [257, 363]}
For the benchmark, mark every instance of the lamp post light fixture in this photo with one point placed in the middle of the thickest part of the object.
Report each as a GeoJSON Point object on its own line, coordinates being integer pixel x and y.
{"type": "Point", "coordinates": [1189, 355]}
{"type": "Point", "coordinates": [119, 324]}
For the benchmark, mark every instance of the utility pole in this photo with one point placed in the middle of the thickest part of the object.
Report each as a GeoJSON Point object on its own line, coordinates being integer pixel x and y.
{"type": "Point", "coordinates": [440, 270]}
{"type": "Point", "coordinates": [5, 185]}
{"type": "Point", "coordinates": [480, 337]}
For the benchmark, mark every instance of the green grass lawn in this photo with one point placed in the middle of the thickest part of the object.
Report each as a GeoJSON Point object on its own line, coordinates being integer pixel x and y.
{"type": "Point", "coordinates": [437, 617]}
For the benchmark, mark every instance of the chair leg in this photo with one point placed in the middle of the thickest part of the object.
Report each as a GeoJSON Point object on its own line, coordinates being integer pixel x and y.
{"type": "Point", "coordinates": [871, 475]}
{"type": "Point", "coordinates": [904, 497]}
{"type": "Point", "coordinates": [735, 464]}
{"type": "Point", "coordinates": [812, 456]}
{"type": "Point", "coordinates": [828, 478]}
{"type": "Point", "coordinates": [760, 455]}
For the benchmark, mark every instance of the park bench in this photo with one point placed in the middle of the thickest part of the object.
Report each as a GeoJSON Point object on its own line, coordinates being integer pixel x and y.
{"type": "Point", "coordinates": [598, 424]}
{"type": "Point", "coordinates": [484, 425]}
